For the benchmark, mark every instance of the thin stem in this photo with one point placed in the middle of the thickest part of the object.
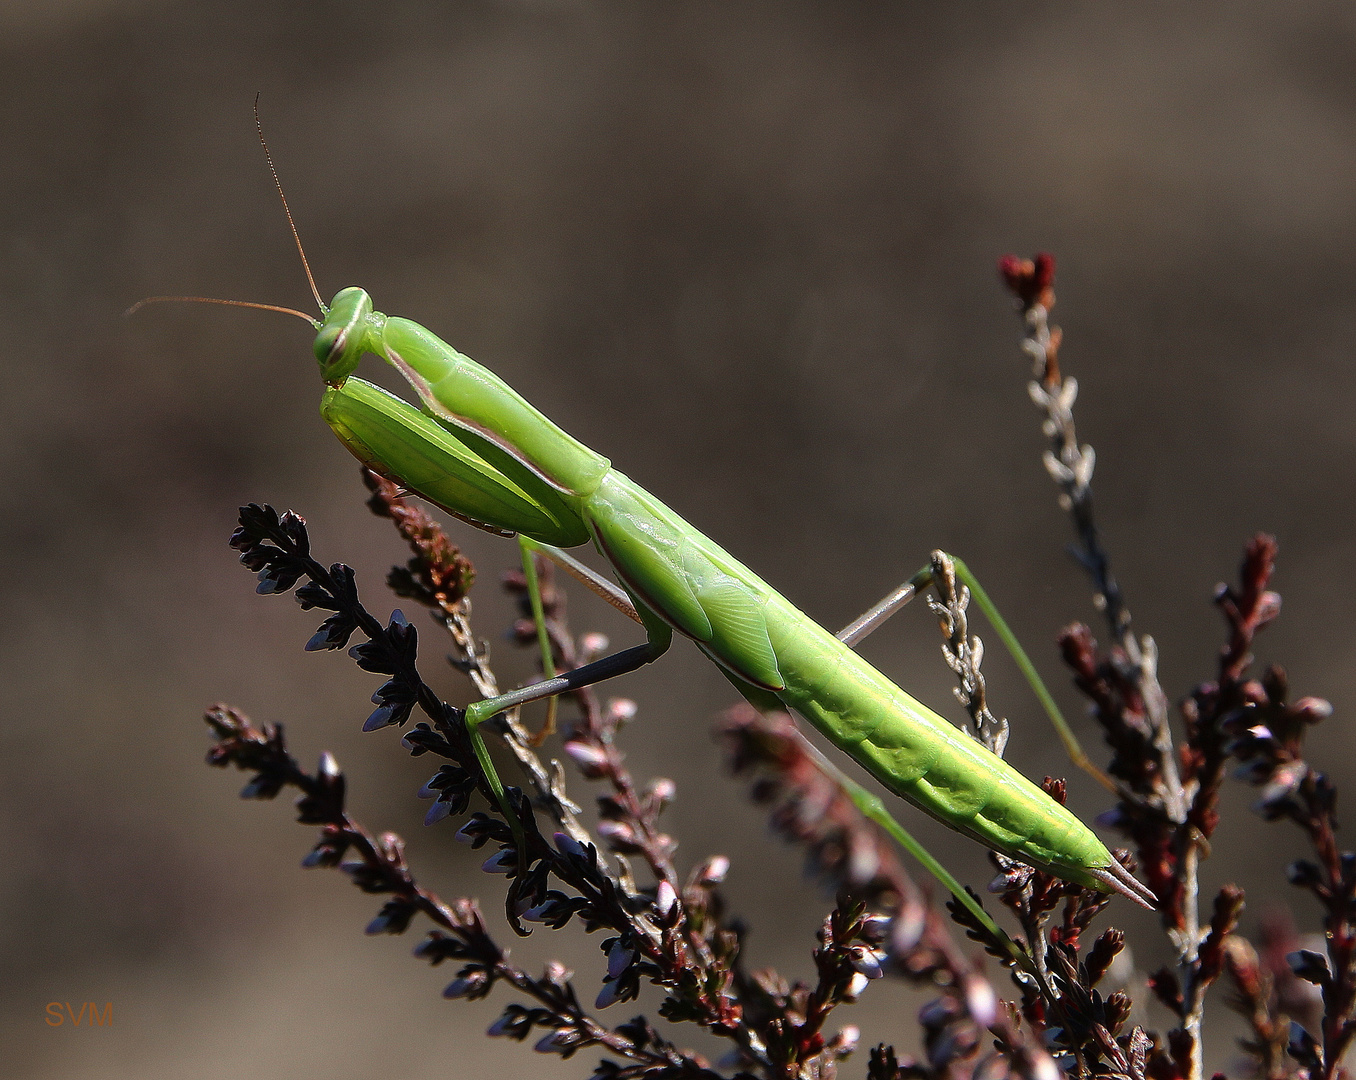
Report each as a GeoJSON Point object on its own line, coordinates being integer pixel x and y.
{"type": "Point", "coordinates": [1071, 466]}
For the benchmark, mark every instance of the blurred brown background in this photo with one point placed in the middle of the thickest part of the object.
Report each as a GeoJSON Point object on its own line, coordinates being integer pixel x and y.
{"type": "Point", "coordinates": [746, 250]}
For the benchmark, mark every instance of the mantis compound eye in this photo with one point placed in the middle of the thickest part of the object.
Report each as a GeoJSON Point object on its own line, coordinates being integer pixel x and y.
{"type": "Point", "coordinates": [330, 345]}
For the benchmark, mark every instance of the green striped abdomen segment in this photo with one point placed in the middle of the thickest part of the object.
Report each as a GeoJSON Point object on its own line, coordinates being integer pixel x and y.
{"type": "Point", "coordinates": [760, 637]}
{"type": "Point", "coordinates": [921, 757]}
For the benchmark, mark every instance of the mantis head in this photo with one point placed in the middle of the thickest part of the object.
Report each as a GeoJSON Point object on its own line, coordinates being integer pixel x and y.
{"type": "Point", "coordinates": [345, 334]}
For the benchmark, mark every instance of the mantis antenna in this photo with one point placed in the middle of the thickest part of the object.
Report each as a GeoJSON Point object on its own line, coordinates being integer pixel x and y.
{"type": "Point", "coordinates": [305, 263]}
{"type": "Point", "coordinates": [286, 209]}
{"type": "Point", "coordinates": [217, 300]}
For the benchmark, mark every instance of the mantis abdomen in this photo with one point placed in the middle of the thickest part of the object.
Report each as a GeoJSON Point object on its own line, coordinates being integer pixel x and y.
{"type": "Point", "coordinates": [772, 649]}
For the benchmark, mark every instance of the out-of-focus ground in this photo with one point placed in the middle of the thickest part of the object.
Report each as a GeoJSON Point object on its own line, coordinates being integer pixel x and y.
{"type": "Point", "coordinates": [745, 250]}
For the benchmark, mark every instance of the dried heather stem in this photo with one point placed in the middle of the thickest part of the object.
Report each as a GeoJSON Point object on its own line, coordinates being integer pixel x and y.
{"type": "Point", "coordinates": [438, 576]}
{"type": "Point", "coordinates": [964, 653]}
{"type": "Point", "coordinates": [1071, 467]}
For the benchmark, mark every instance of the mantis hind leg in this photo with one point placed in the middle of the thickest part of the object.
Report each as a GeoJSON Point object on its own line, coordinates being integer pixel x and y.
{"type": "Point", "coordinates": [878, 614]}
{"type": "Point", "coordinates": [1071, 744]}
{"type": "Point", "coordinates": [864, 624]}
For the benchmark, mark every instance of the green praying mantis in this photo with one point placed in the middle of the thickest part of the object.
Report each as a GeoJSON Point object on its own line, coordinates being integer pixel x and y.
{"type": "Point", "coordinates": [480, 451]}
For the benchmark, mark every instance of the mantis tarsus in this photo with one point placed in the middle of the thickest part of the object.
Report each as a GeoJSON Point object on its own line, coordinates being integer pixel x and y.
{"type": "Point", "coordinates": [480, 451]}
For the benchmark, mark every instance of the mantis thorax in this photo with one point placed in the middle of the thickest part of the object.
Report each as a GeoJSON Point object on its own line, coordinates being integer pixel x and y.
{"type": "Point", "coordinates": [455, 390]}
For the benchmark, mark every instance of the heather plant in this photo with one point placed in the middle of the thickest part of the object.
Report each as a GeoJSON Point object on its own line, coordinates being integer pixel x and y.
{"type": "Point", "coordinates": [995, 1014]}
